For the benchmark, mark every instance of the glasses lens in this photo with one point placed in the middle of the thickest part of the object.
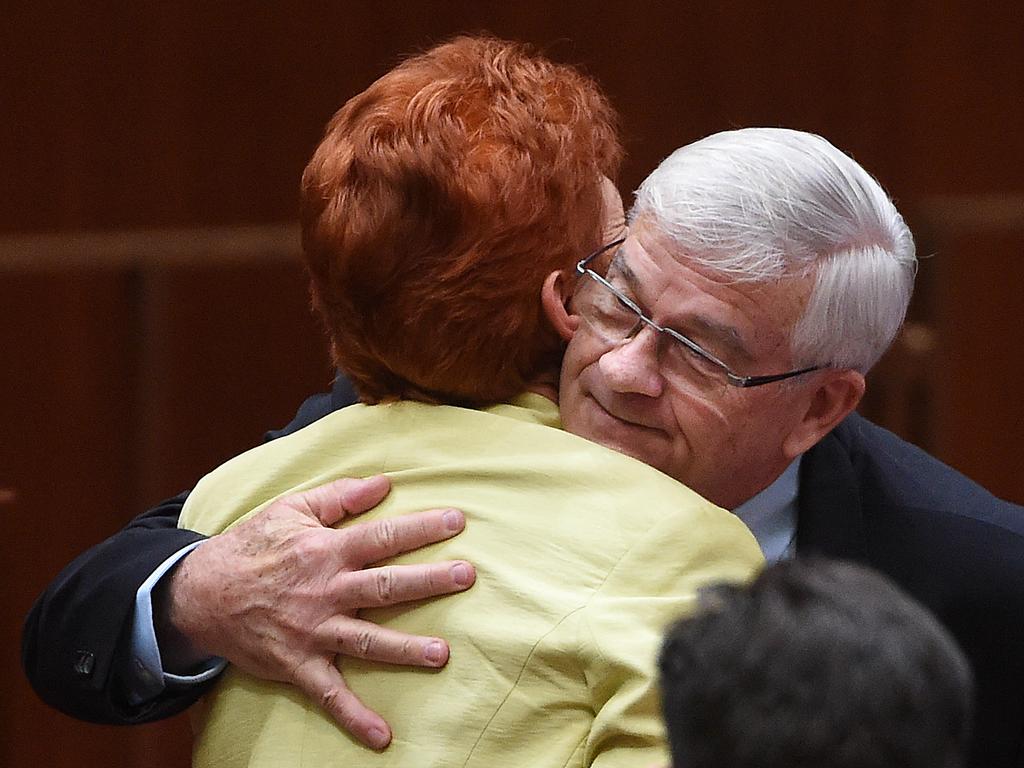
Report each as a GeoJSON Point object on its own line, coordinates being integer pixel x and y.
{"type": "Point", "coordinates": [608, 315]}
{"type": "Point", "coordinates": [683, 363]}
{"type": "Point", "coordinates": [612, 319]}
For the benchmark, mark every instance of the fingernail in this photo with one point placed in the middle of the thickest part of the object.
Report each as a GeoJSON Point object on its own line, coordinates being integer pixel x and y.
{"type": "Point", "coordinates": [462, 575]}
{"type": "Point", "coordinates": [453, 519]}
{"type": "Point", "coordinates": [378, 738]}
{"type": "Point", "coordinates": [434, 652]}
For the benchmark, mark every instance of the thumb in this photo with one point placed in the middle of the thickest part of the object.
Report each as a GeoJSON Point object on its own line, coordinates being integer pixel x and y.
{"type": "Point", "coordinates": [332, 502]}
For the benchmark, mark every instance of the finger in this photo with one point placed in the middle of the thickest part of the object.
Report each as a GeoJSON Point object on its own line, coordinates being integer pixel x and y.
{"type": "Point", "coordinates": [365, 640]}
{"type": "Point", "coordinates": [378, 540]}
{"type": "Point", "coordinates": [392, 584]}
{"type": "Point", "coordinates": [360, 495]}
{"type": "Point", "coordinates": [323, 683]}
{"type": "Point", "coordinates": [331, 502]}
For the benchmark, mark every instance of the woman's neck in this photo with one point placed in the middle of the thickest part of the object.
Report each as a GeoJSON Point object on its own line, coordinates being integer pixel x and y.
{"type": "Point", "coordinates": [544, 389]}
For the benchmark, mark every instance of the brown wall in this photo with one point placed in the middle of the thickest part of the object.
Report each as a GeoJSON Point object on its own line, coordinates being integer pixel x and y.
{"type": "Point", "coordinates": [136, 359]}
{"type": "Point", "coordinates": [132, 365]}
{"type": "Point", "coordinates": [190, 112]}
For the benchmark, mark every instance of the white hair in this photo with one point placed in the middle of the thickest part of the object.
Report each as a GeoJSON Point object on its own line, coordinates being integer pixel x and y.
{"type": "Point", "coordinates": [763, 204]}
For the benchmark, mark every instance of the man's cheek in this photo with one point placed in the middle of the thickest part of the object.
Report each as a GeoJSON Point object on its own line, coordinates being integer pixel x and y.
{"type": "Point", "coordinates": [697, 415]}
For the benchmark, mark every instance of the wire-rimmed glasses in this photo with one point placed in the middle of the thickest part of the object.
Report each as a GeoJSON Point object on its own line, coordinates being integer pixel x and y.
{"type": "Point", "coordinates": [616, 317]}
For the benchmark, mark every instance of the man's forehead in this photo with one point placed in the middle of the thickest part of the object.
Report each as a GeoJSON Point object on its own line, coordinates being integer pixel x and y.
{"type": "Point", "coordinates": [670, 257]}
{"type": "Point", "coordinates": [764, 309]}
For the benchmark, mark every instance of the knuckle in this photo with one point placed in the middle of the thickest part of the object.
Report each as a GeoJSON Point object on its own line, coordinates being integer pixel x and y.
{"type": "Point", "coordinates": [328, 698]}
{"type": "Point", "coordinates": [364, 643]}
{"type": "Point", "coordinates": [313, 500]}
{"type": "Point", "coordinates": [387, 535]}
{"type": "Point", "coordinates": [384, 583]}
{"type": "Point", "coordinates": [308, 548]}
{"type": "Point", "coordinates": [332, 700]}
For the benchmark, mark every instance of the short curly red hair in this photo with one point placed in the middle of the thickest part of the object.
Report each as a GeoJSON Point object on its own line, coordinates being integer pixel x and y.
{"type": "Point", "coordinates": [436, 204]}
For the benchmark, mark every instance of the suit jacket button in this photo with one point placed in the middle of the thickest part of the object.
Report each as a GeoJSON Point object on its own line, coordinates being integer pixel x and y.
{"type": "Point", "coordinates": [84, 663]}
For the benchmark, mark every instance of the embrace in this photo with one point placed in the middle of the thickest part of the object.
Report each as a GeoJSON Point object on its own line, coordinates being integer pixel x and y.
{"type": "Point", "coordinates": [618, 416]}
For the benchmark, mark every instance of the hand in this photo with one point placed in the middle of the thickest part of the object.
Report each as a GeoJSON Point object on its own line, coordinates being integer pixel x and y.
{"type": "Point", "coordinates": [279, 595]}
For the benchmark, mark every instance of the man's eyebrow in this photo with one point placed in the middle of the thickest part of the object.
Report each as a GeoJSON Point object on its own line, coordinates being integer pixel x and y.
{"type": "Point", "coordinates": [621, 269]}
{"type": "Point", "coordinates": [720, 337]}
{"type": "Point", "coordinates": [721, 340]}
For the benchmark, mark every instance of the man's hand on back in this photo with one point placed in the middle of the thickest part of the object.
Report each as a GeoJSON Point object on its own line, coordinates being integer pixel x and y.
{"type": "Point", "coordinates": [279, 595]}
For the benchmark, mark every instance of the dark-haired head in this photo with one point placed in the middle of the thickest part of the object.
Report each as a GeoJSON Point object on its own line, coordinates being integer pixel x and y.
{"type": "Point", "coordinates": [817, 664]}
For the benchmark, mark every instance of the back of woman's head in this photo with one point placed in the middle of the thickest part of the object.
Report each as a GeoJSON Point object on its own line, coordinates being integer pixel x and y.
{"type": "Point", "coordinates": [436, 204]}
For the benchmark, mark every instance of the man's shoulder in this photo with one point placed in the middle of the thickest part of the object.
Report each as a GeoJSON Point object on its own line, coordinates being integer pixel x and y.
{"type": "Point", "coordinates": [890, 473]}
{"type": "Point", "coordinates": [869, 496]}
{"type": "Point", "coordinates": [313, 408]}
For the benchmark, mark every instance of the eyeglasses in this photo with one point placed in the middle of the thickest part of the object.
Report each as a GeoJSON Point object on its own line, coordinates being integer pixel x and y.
{"type": "Point", "coordinates": [616, 317]}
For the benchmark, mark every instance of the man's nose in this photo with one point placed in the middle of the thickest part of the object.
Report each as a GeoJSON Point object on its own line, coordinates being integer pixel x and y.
{"type": "Point", "coordinates": [631, 367]}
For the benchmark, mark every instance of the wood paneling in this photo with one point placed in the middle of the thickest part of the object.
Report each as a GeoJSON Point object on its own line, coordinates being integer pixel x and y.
{"type": "Point", "coordinates": [187, 113]}
{"type": "Point", "coordinates": [979, 418]}
{"type": "Point", "coordinates": [65, 378]}
{"type": "Point", "coordinates": [133, 364]}
{"type": "Point", "coordinates": [244, 355]}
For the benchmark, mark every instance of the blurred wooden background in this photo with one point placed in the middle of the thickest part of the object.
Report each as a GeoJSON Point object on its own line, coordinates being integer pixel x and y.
{"type": "Point", "coordinates": [153, 319]}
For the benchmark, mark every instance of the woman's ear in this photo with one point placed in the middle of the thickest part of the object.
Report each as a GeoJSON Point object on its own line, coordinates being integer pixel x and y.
{"type": "Point", "coordinates": [554, 300]}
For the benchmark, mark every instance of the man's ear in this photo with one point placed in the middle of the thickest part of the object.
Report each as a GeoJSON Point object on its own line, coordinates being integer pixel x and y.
{"type": "Point", "coordinates": [555, 295]}
{"type": "Point", "coordinates": [836, 393]}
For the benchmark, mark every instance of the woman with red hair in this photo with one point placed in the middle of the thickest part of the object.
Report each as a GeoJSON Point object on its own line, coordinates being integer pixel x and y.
{"type": "Point", "coordinates": [442, 204]}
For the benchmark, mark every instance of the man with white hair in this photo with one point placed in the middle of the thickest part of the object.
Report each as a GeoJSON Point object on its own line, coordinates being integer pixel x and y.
{"type": "Point", "coordinates": [724, 341]}
{"type": "Point", "coordinates": [726, 344]}
{"type": "Point", "coordinates": [776, 272]}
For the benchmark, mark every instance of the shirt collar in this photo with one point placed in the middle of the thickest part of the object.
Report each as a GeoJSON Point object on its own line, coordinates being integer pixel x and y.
{"type": "Point", "coordinates": [771, 514]}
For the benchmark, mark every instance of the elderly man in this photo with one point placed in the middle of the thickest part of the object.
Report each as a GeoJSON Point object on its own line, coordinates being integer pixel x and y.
{"type": "Point", "coordinates": [725, 345]}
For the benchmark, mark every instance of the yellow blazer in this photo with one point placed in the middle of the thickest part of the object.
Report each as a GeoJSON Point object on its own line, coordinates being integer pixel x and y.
{"type": "Point", "coordinates": [583, 555]}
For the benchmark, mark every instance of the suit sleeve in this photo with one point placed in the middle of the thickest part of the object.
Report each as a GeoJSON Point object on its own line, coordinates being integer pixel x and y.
{"type": "Point", "coordinates": [76, 638]}
{"type": "Point", "coordinates": [656, 582]}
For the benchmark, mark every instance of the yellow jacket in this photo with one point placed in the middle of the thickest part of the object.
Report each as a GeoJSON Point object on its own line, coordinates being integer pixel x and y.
{"type": "Point", "coordinates": [583, 556]}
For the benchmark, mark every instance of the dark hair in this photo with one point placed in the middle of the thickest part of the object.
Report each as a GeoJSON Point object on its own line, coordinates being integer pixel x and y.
{"type": "Point", "coordinates": [434, 207]}
{"type": "Point", "coordinates": [819, 664]}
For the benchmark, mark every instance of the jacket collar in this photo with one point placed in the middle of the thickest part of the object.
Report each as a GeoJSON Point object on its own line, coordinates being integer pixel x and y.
{"type": "Point", "coordinates": [830, 518]}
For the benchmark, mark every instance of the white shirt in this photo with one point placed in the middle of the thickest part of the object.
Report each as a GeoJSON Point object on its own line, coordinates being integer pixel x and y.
{"type": "Point", "coordinates": [771, 515]}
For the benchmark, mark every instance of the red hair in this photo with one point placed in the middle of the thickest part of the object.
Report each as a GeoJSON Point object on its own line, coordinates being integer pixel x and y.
{"type": "Point", "coordinates": [434, 207]}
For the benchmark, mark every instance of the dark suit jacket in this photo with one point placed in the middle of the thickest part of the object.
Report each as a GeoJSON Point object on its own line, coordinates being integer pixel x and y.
{"type": "Point", "coordinates": [75, 646]}
{"type": "Point", "coordinates": [865, 495]}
